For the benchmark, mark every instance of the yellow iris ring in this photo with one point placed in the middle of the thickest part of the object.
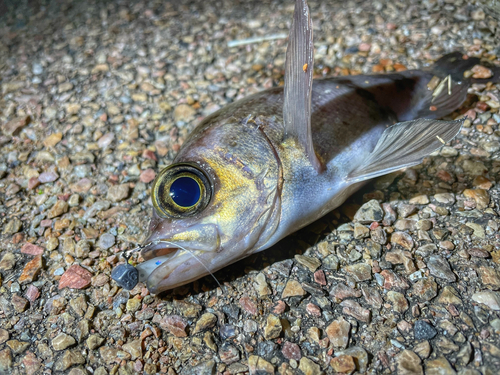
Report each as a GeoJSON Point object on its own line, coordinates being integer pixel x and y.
{"type": "Point", "coordinates": [160, 194]}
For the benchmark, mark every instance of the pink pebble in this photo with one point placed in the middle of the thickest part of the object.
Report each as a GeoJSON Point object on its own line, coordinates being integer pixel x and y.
{"type": "Point", "coordinates": [365, 47]}
{"type": "Point", "coordinates": [147, 175]}
{"type": "Point", "coordinates": [32, 293]}
{"type": "Point", "coordinates": [75, 277]}
{"type": "Point", "coordinates": [31, 249]}
{"type": "Point", "coordinates": [46, 223]}
{"type": "Point", "coordinates": [48, 177]}
{"type": "Point", "coordinates": [248, 305]}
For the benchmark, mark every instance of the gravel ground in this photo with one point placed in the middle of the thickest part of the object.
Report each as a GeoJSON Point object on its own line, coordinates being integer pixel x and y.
{"type": "Point", "coordinates": [97, 96]}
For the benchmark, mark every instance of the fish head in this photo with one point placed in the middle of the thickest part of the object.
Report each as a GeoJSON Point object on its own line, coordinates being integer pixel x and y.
{"type": "Point", "coordinates": [214, 205]}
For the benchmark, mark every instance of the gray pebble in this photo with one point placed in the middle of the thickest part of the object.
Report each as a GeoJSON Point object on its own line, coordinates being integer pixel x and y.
{"type": "Point", "coordinates": [423, 330]}
{"type": "Point", "coordinates": [439, 267]}
{"type": "Point", "coordinates": [106, 241]}
{"type": "Point", "coordinates": [369, 212]}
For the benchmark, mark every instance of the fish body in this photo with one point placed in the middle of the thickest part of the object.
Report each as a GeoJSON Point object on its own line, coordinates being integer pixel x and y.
{"type": "Point", "coordinates": [261, 175]}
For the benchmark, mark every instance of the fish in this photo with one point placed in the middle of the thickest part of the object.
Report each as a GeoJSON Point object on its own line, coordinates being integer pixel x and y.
{"type": "Point", "coordinates": [269, 164]}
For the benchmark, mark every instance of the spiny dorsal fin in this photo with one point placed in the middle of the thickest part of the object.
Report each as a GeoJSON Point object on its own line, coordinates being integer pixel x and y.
{"type": "Point", "coordinates": [298, 81]}
{"type": "Point", "coordinates": [404, 145]}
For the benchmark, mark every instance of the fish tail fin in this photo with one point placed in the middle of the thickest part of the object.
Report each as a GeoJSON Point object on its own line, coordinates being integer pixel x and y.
{"type": "Point", "coordinates": [447, 89]}
{"type": "Point", "coordinates": [456, 64]}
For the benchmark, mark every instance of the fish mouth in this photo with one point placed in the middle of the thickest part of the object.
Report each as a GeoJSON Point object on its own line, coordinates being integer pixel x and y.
{"type": "Point", "coordinates": [156, 249]}
{"type": "Point", "coordinates": [155, 254]}
{"type": "Point", "coordinates": [146, 268]}
{"type": "Point", "coordinates": [168, 266]}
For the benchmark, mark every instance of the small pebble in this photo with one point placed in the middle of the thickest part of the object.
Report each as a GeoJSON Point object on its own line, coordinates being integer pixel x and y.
{"type": "Point", "coordinates": [75, 277]}
{"type": "Point", "coordinates": [423, 330]}
{"type": "Point", "coordinates": [106, 240]}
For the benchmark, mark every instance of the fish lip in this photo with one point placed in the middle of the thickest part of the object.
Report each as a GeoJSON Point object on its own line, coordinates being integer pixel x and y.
{"type": "Point", "coordinates": [201, 237]}
{"type": "Point", "coordinates": [153, 249]}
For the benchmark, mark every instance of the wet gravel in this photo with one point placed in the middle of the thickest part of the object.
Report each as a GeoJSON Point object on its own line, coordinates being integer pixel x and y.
{"type": "Point", "coordinates": [98, 96]}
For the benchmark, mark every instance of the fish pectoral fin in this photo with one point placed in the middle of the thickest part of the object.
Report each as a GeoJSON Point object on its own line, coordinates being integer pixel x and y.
{"type": "Point", "coordinates": [298, 81]}
{"type": "Point", "coordinates": [403, 145]}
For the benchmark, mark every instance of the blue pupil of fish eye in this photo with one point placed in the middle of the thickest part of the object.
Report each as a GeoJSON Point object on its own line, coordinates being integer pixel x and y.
{"type": "Point", "coordinates": [185, 191]}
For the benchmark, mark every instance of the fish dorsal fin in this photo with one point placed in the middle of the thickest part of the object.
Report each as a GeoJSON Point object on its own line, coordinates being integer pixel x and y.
{"type": "Point", "coordinates": [298, 81]}
{"type": "Point", "coordinates": [405, 145]}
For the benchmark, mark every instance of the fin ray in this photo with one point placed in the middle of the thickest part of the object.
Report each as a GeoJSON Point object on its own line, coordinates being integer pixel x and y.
{"type": "Point", "coordinates": [404, 145]}
{"type": "Point", "coordinates": [298, 81]}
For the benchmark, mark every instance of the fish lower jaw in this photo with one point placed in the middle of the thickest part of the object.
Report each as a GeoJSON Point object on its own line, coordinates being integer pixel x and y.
{"type": "Point", "coordinates": [161, 256]}
{"type": "Point", "coordinates": [166, 259]}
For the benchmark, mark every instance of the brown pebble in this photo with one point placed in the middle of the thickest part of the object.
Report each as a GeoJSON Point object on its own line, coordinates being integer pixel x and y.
{"type": "Point", "coordinates": [118, 192]}
{"type": "Point", "coordinates": [81, 186]}
{"type": "Point", "coordinates": [148, 154]}
{"type": "Point", "coordinates": [31, 363]}
{"type": "Point", "coordinates": [480, 71]}
{"type": "Point", "coordinates": [314, 310]}
{"type": "Point", "coordinates": [52, 140]}
{"type": "Point", "coordinates": [13, 127]}
{"type": "Point", "coordinates": [482, 183]}
{"type": "Point", "coordinates": [18, 237]}
{"type": "Point", "coordinates": [393, 281]}
{"type": "Point", "coordinates": [355, 310]}
{"type": "Point", "coordinates": [183, 112]}
{"type": "Point", "coordinates": [46, 223]}
{"type": "Point", "coordinates": [175, 324]}
{"type": "Point", "coordinates": [403, 239]}
{"type": "Point", "coordinates": [480, 196]}
{"type": "Point", "coordinates": [31, 270]}
{"type": "Point", "coordinates": [293, 289]}
{"type": "Point", "coordinates": [482, 106]}
{"type": "Point", "coordinates": [471, 114]}
{"type": "Point", "coordinates": [273, 327]}
{"type": "Point", "coordinates": [58, 209]}
{"type": "Point", "coordinates": [342, 291]}
{"type": "Point", "coordinates": [20, 304]}
{"type": "Point", "coordinates": [343, 364]}
{"type": "Point", "coordinates": [205, 322]}
{"type": "Point", "coordinates": [33, 183]}
{"type": "Point", "coordinates": [478, 253]}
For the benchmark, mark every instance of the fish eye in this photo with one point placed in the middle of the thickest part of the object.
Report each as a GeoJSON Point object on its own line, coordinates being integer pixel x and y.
{"type": "Point", "coordinates": [185, 191]}
{"type": "Point", "coordinates": [181, 190]}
